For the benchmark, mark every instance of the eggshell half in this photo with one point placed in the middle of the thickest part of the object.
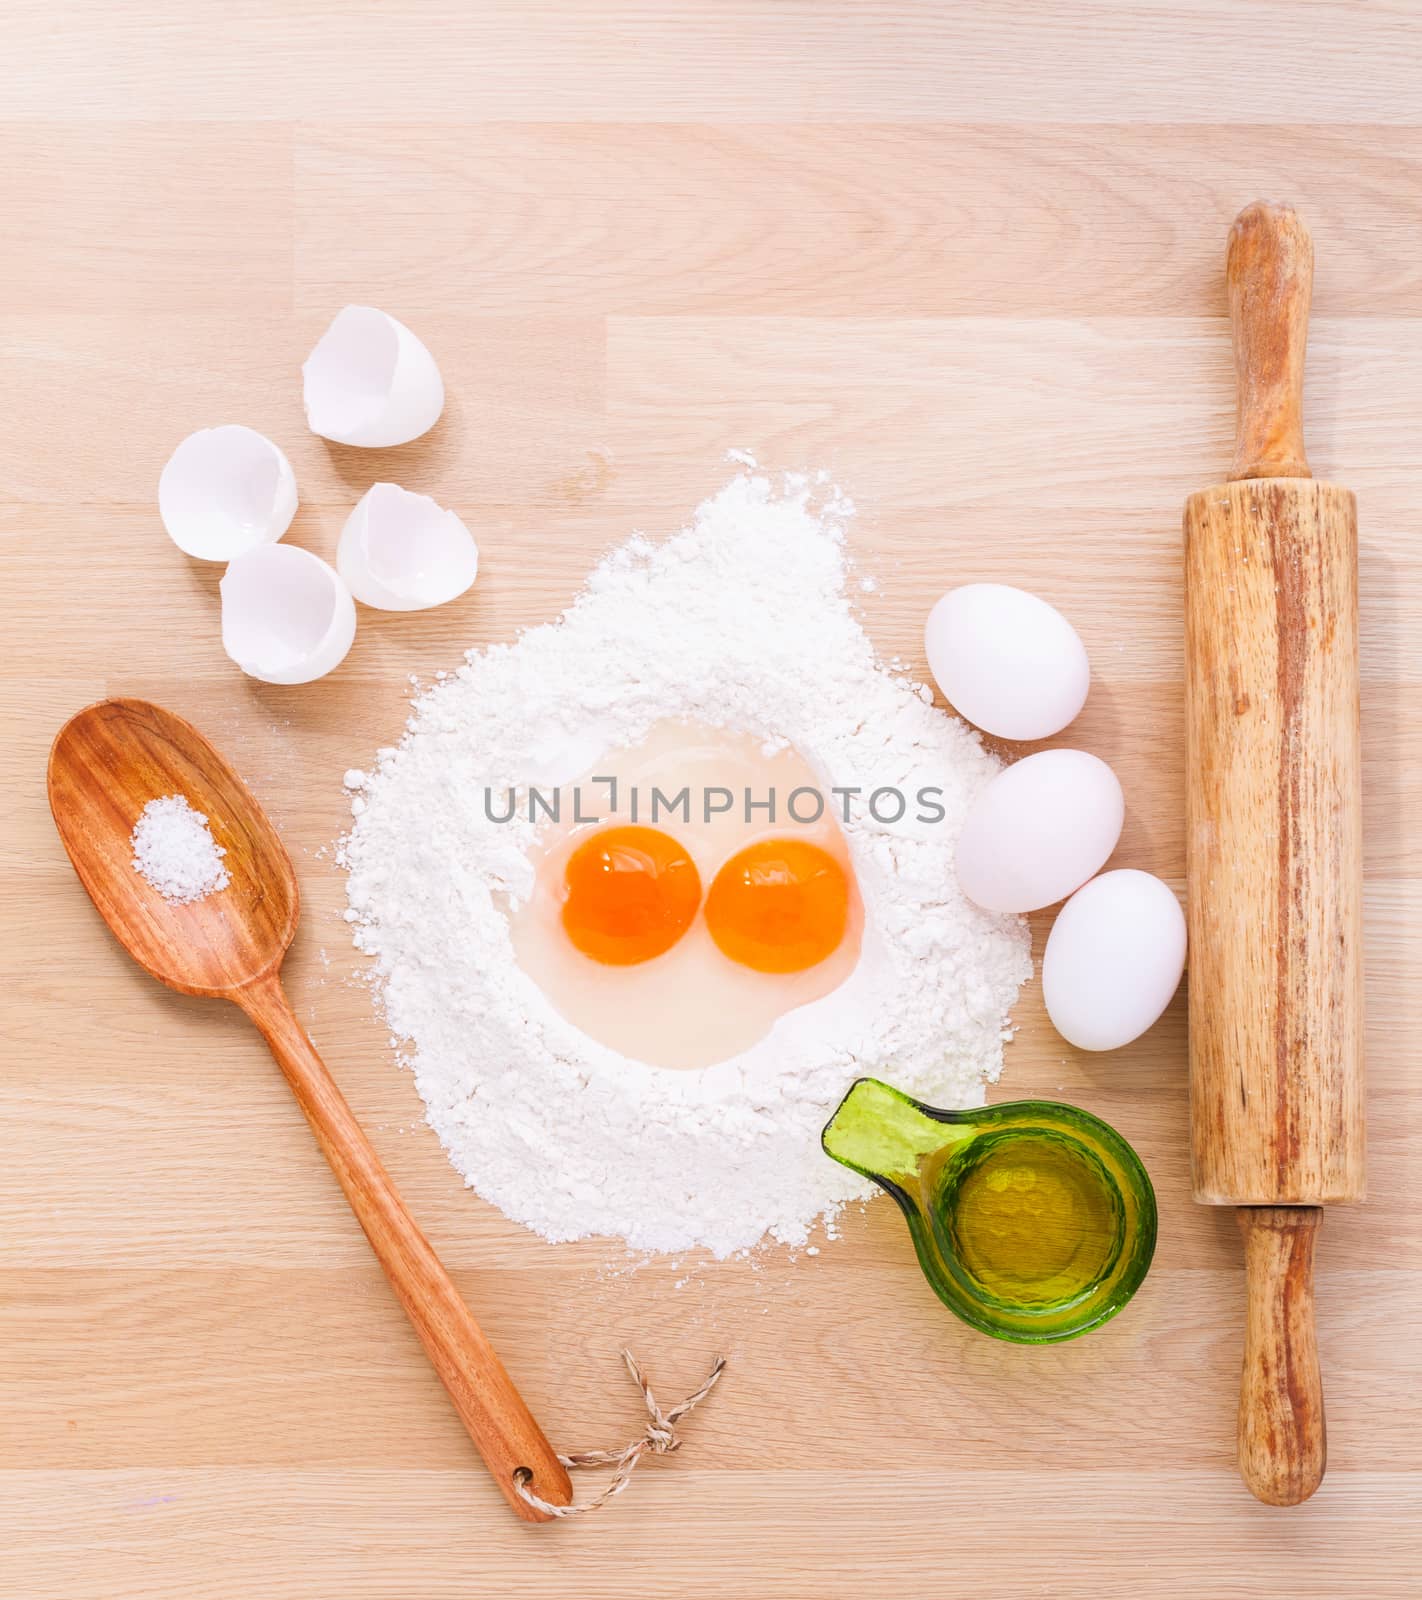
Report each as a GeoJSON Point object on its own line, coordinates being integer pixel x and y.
{"type": "Point", "coordinates": [225, 491]}
{"type": "Point", "coordinates": [402, 552]}
{"type": "Point", "coordinates": [1007, 661]}
{"type": "Point", "coordinates": [1113, 960]}
{"type": "Point", "coordinates": [370, 382]}
{"type": "Point", "coordinates": [287, 617]}
{"type": "Point", "coordinates": [1039, 830]}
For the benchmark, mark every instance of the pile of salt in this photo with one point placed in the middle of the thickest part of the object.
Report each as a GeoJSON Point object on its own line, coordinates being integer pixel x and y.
{"type": "Point", "coordinates": [176, 853]}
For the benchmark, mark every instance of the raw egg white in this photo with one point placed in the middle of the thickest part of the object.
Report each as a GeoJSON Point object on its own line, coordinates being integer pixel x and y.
{"type": "Point", "coordinates": [1007, 662]}
{"type": "Point", "coordinates": [680, 943]}
{"type": "Point", "coordinates": [1039, 830]}
{"type": "Point", "coordinates": [1113, 960]}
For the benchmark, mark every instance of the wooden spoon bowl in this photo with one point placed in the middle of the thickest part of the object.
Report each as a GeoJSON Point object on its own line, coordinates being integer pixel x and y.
{"type": "Point", "coordinates": [107, 763]}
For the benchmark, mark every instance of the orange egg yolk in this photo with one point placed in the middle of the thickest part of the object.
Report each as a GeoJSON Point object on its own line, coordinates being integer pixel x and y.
{"type": "Point", "coordinates": [629, 894]}
{"type": "Point", "coordinates": [780, 905]}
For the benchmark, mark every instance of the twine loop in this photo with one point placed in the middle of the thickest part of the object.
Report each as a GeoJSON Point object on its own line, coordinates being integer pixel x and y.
{"type": "Point", "coordinates": [659, 1439]}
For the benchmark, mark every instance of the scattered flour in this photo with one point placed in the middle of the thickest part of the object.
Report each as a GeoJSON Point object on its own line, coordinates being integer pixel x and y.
{"type": "Point", "coordinates": [175, 851]}
{"type": "Point", "coordinates": [740, 621]}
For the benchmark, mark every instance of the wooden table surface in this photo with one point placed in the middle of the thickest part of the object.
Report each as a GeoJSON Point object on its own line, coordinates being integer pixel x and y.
{"type": "Point", "coordinates": [969, 259]}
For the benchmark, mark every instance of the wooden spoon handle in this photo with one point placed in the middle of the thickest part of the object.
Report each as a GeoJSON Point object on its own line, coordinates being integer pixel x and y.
{"type": "Point", "coordinates": [1270, 272]}
{"type": "Point", "coordinates": [489, 1406]}
{"type": "Point", "coordinates": [1283, 1447]}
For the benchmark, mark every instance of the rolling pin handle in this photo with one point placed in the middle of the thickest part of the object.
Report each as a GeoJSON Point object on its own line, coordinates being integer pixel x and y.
{"type": "Point", "coordinates": [1269, 269]}
{"type": "Point", "coordinates": [1283, 1447]}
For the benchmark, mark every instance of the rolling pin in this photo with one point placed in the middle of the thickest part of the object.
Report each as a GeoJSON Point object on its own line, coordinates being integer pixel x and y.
{"type": "Point", "coordinates": [1274, 853]}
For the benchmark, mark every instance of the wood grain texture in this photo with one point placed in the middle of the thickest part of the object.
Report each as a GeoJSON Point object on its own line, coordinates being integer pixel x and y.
{"type": "Point", "coordinates": [809, 61]}
{"type": "Point", "coordinates": [1283, 1443]}
{"type": "Point", "coordinates": [1274, 844]}
{"type": "Point", "coordinates": [920, 245]}
{"type": "Point", "coordinates": [107, 762]}
{"type": "Point", "coordinates": [512, 1444]}
{"type": "Point", "coordinates": [1269, 271]}
{"type": "Point", "coordinates": [1274, 817]}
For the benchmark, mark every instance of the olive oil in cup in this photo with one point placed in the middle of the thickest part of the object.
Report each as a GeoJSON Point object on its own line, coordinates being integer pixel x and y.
{"type": "Point", "coordinates": [1033, 1221]}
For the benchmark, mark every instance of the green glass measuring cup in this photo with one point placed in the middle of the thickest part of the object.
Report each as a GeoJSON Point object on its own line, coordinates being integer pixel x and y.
{"type": "Point", "coordinates": [1033, 1221]}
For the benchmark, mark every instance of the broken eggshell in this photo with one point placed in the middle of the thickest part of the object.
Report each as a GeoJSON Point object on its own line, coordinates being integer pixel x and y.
{"type": "Point", "coordinates": [287, 617]}
{"type": "Point", "coordinates": [225, 491]}
{"type": "Point", "coordinates": [370, 382]}
{"type": "Point", "coordinates": [401, 552]}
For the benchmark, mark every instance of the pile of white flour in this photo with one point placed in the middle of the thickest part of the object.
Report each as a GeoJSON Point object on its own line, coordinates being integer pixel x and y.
{"type": "Point", "coordinates": [741, 621]}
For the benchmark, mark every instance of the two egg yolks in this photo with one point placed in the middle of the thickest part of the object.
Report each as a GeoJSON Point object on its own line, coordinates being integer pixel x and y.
{"type": "Point", "coordinates": [779, 905]}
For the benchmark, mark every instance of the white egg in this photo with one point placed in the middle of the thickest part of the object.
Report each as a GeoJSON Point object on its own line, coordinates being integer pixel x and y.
{"type": "Point", "coordinates": [370, 382]}
{"type": "Point", "coordinates": [1113, 959]}
{"type": "Point", "coordinates": [1007, 662]}
{"type": "Point", "coordinates": [1039, 830]}
{"type": "Point", "coordinates": [402, 552]}
{"type": "Point", "coordinates": [287, 617]}
{"type": "Point", "coordinates": [224, 491]}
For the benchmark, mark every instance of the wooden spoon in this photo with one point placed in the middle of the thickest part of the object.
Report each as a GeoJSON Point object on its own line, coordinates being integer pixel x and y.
{"type": "Point", "coordinates": [107, 763]}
